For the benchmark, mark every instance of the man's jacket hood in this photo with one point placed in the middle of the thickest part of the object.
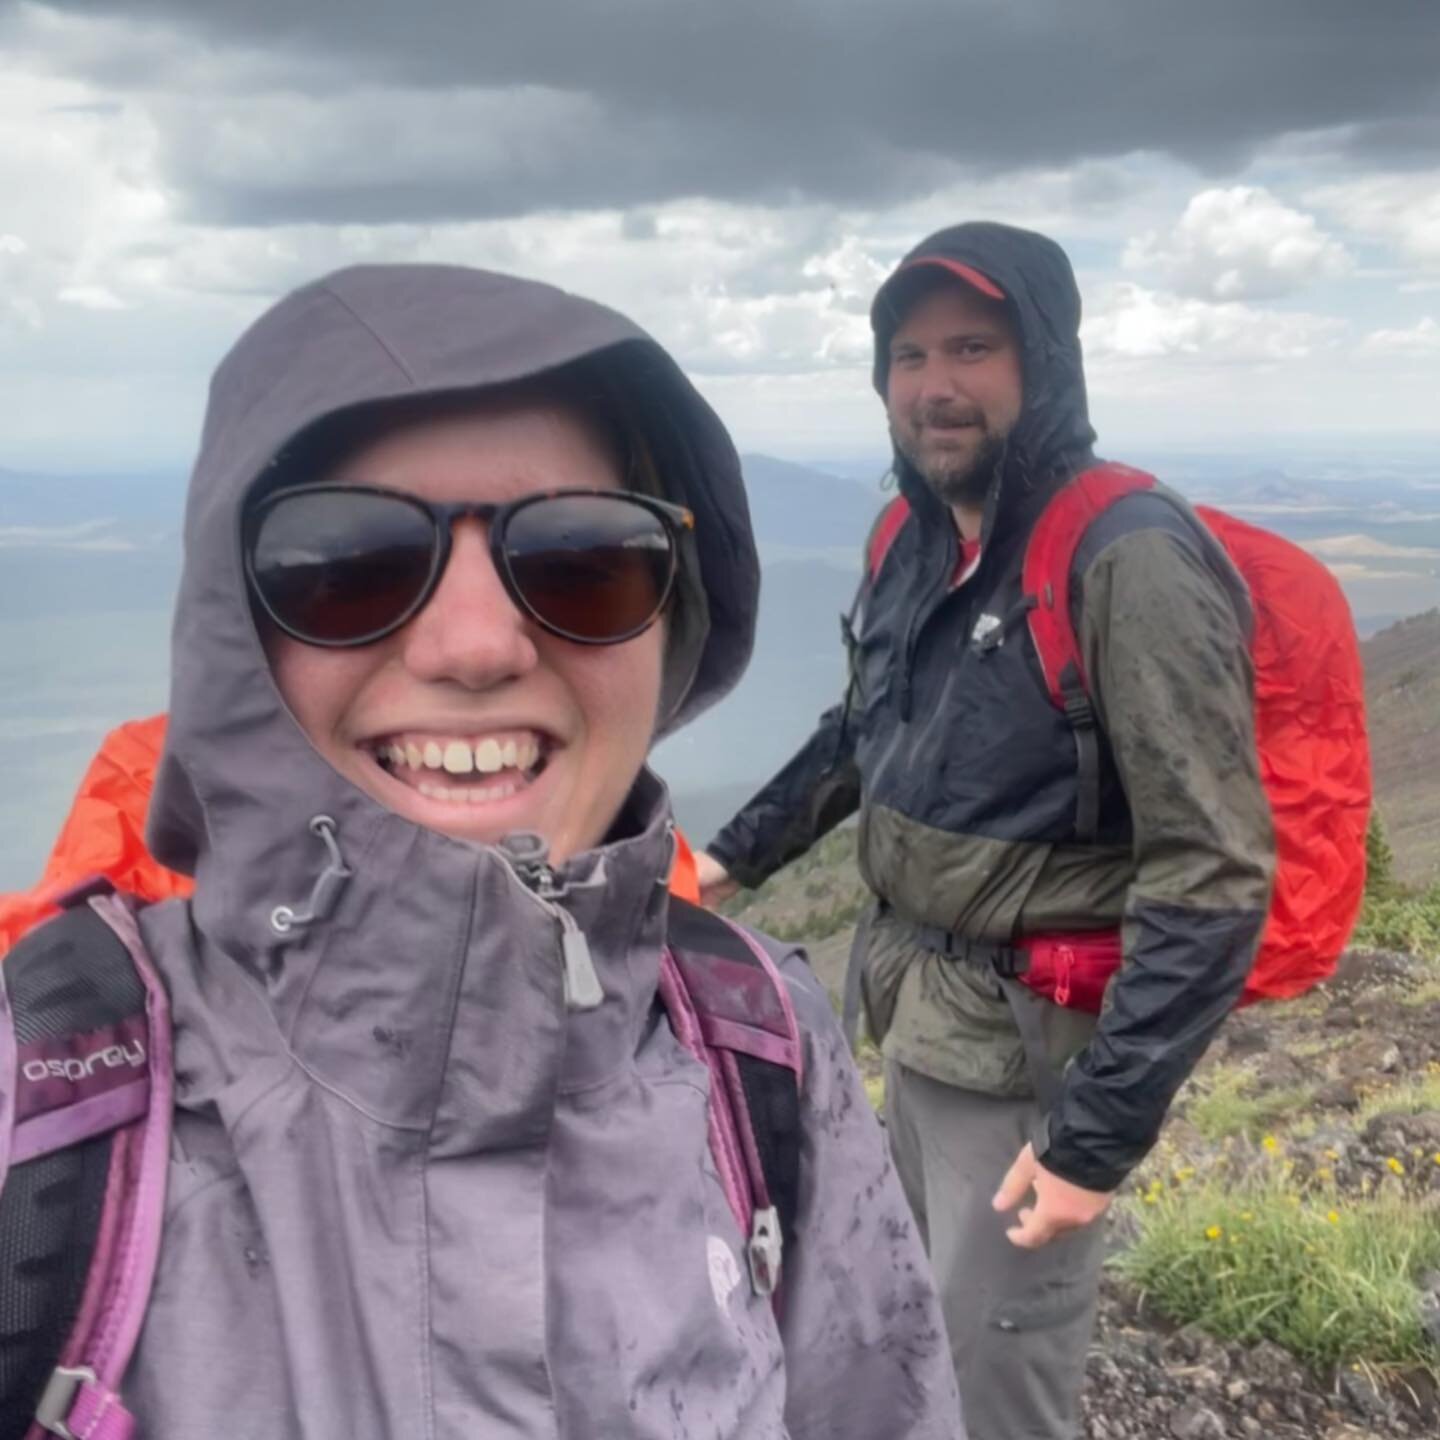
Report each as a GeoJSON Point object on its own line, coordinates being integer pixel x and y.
{"type": "Point", "coordinates": [366, 336]}
{"type": "Point", "coordinates": [1052, 440]}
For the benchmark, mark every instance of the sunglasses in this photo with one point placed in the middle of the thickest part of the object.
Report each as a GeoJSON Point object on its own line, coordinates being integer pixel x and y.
{"type": "Point", "coordinates": [344, 565]}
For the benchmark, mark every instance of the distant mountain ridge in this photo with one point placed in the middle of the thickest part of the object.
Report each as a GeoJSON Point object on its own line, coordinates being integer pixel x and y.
{"type": "Point", "coordinates": [77, 550]}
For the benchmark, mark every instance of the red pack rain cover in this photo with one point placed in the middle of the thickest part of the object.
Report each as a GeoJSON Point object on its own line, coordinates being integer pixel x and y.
{"type": "Point", "coordinates": [1309, 717]}
{"type": "Point", "coordinates": [104, 833]}
{"type": "Point", "coordinates": [1314, 754]}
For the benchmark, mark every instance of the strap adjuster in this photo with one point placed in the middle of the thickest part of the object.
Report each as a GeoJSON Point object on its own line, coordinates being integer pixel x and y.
{"type": "Point", "coordinates": [1009, 962]}
{"type": "Point", "coordinates": [1078, 710]}
{"type": "Point", "coordinates": [763, 1249]}
{"type": "Point", "coordinates": [57, 1402]}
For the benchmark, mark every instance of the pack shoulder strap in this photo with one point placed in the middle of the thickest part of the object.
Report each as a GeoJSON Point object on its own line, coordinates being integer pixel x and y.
{"type": "Point", "coordinates": [729, 1005]}
{"type": "Point", "coordinates": [84, 1151]}
{"type": "Point", "coordinates": [883, 534]}
{"type": "Point", "coordinates": [1050, 559]}
{"type": "Point", "coordinates": [1045, 582]}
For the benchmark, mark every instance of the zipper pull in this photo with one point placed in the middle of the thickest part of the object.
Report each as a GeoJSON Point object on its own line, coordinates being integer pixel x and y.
{"type": "Point", "coordinates": [582, 985]}
{"type": "Point", "coordinates": [527, 853]}
{"type": "Point", "coordinates": [1064, 967]}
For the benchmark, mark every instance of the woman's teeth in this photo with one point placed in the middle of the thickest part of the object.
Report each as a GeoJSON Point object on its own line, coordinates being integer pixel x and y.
{"type": "Point", "coordinates": [470, 794]}
{"type": "Point", "coordinates": [512, 760]}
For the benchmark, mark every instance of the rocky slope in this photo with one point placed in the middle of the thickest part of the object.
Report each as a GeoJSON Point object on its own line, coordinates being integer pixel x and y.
{"type": "Point", "coordinates": [1402, 684]}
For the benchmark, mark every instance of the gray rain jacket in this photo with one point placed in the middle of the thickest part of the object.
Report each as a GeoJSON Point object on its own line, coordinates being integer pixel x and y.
{"type": "Point", "coordinates": [411, 1194]}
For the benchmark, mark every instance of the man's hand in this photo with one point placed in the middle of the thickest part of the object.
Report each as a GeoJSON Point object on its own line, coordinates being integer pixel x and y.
{"type": "Point", "coordinates": [715, 882]}
{"type": "Point", "coordinates": [1059, 1206]}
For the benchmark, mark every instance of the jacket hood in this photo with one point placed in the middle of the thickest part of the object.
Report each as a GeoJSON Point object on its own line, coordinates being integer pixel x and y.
{"type": "Point", "coordinates": [235, 762]}
{"type": "Point", "coordinates": [1053, 438]}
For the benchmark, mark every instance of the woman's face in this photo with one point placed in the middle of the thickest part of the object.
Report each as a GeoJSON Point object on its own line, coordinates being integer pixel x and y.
{"type": "Point", "coordinates": [471, 719]}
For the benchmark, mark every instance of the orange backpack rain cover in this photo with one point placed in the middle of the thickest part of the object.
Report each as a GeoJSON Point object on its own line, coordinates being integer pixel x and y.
{"type": "Point", "coordinates": [1314, 755]}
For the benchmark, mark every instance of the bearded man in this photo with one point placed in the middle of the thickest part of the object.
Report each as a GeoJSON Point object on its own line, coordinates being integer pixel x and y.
{"type": "Point", "coordinates": [994, 824]}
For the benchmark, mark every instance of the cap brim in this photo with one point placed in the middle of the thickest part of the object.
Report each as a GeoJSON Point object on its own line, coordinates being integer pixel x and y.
{"type": "Point", "coordinates": [968, 273]}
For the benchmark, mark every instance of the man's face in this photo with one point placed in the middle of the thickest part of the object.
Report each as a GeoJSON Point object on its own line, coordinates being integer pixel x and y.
{"type": "Point", "coordinates": [954, 390]}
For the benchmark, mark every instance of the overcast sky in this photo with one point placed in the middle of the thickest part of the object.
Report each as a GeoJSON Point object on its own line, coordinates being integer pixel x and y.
{"type": "Point", "coordinates": [1249, 189]}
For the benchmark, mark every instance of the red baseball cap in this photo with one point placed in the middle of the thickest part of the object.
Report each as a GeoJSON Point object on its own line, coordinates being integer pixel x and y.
{"type": "Point", "coordinates": [968, 273]}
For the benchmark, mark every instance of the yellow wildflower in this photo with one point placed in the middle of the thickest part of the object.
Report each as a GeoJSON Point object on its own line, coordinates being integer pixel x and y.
{"type": "Point", "coordinates": [1271, 1144]}
{"type": "Point", "coordinates": [1332, 1154]}
{"type": "Point", "coordinates": [1333, 1217]}
{"type": "Point", "coordinates": [1325, 1173]}
{"type": "Point", "coordinates": [1214, 1232]}
{"type": "Point", "coordinates": [1396, 1165]}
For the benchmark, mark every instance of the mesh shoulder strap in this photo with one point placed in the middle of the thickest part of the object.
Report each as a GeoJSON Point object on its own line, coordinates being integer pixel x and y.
{"type": "Point", "coordinates": [729, 1004]}
{"type": "Point", "coordinates": [84, 1146]}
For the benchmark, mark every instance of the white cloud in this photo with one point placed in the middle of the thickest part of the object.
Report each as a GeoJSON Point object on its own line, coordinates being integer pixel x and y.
{"type": "Point", "coordinates": [1420, 340]}
{"type": "Point", "coordinates": [1402, 210]}
{"type": "Point", "coordinates": [1239, 243]}
{"type": "Point", "coordinates": [89, 537]}
{"type": "Point", "coordinates": [1367, 547]}
{"type": "Point", "coordinates": [1353, 570]}
{"type": "Point", "coordinates": [1129, 322]}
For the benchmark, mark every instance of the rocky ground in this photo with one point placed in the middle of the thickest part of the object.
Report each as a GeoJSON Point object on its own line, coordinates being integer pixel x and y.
{"type": "Point", "coordinates": [1316, 1076]}
{"type": "Point", "coordinates": [1147, 1380]}
{"type": "Point", "coordinates": [1327, 1063]}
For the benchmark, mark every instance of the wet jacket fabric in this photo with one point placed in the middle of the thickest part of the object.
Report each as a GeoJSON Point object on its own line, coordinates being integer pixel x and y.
{"type": "Point", "coordinates": [965, 773]}
{"type": "Point", "coordinates": [411, 1193]}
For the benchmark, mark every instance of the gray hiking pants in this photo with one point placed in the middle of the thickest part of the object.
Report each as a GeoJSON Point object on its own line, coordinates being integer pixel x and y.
{"type": "Point", "coordinates": [1019, 1320]}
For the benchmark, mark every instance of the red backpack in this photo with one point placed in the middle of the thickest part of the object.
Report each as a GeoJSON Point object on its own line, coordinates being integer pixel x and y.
{"type": "Point", "coordinates": [1309, 729]}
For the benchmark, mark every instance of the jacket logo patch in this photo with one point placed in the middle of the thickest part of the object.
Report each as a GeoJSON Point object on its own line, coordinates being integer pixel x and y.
{"type": "Point", "coordinates": [724, 1270]}
{"type": "Point", "coordinates": [986, 627]}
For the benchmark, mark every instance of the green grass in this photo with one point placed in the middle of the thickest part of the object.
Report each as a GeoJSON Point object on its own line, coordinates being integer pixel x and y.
{"type": "Point", "coordinates": [1254, 1258]}
{"type": "Point", "coordinates": [1411, 1097]}
{"type": "Point", "coordinates": [1426, 993]}
{"type": "Point", "coordinates": [1402, 922]}
{"type": "Point", "coordinates": [1226, 1105]}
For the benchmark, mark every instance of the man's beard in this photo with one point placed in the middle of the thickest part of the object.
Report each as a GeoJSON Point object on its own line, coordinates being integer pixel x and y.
{"type": "Point", "coordinates": [960, 480]}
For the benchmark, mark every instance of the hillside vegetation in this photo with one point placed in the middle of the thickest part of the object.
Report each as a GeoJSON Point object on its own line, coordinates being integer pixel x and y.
{"type": "Point", "coordinates": [1402, 684]}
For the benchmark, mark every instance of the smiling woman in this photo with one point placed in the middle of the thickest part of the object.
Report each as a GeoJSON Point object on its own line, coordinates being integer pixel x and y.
{"type": "Point", "coordinates": [476, 1129]}
{"type": "Point", "coordinates": [477, 650]}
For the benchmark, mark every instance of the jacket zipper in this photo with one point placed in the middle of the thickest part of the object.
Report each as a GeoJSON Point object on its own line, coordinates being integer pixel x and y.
{"type": "Point", "coordinates": [583, 990]}
{"type": "Point", "coordinates": [912, 636]}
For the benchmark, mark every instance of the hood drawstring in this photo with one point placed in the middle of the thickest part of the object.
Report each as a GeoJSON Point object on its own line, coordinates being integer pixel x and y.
{"type": "Point", "coordinates": [325, 892]}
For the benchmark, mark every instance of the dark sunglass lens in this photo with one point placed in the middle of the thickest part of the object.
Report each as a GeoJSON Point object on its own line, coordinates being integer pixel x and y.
{"type": "Point", "coordinates": [593, 567]}
{"type": "Point", "coordinates": [335, 567]}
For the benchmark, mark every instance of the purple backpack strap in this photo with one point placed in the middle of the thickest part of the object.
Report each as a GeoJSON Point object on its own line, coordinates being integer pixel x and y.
{"type": "Point", "coordinates": [69, 1088]}
{"type": "Point", "coordinates": [730, 1007]}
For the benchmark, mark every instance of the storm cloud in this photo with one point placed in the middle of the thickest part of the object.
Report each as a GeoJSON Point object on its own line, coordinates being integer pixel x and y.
{"type": "Point", "coordinates": [284, 111]}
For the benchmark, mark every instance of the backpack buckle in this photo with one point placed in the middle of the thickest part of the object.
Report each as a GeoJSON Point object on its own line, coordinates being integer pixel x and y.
{"type": "Point", "coordinates": [763, 1250]}
{"type": "Point", "coordinates": [57, 1402]}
